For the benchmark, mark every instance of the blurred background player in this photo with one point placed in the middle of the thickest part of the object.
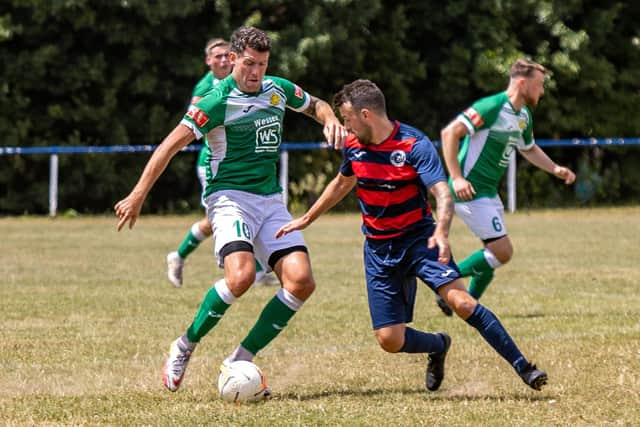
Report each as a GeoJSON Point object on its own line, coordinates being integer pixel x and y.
{"type": "Point", "coordinates": [490, 130]}
{"type": "Point", "coordinates": [217, 58]}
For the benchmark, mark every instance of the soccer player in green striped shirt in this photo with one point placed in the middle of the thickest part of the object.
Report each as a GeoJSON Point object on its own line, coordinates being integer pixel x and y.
{"type": "Point", "coordinates": [242, 119]}
{"type": "Point", "coordinates": [217, 59]}
{"type": "Point", "coordinates": [490, 130]}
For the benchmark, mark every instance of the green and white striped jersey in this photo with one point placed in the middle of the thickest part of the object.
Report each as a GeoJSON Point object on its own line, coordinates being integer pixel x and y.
{"type": "Point", "coordinates": [205, 84]}
{"type": "Point", "coordinates": [244, 132]}
{"type": "Point", "coordinates": [495, 129]}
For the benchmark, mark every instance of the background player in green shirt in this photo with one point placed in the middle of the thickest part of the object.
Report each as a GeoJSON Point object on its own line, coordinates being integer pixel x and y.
{"type": "Point", "coordinates": [217, 59]}
{"type": "Point", "coordinates": [490, 130]}
{"type": "Point", "coordinates": [242, 119]}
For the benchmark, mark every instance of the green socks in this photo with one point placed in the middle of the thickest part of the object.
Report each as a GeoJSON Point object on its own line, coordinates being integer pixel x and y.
{"type": "Point", "coordinates": [272, 320]}
{"type": "Point", "coordinates": [192, 240]}
{"type": "Point", "coordinates": [476, 265]}
{"type": "Point", "coordinates": [215, 303]}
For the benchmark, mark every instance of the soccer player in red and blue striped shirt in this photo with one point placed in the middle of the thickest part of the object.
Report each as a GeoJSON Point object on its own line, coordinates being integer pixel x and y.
{"type": "Point", "coordinates": [395, 167]}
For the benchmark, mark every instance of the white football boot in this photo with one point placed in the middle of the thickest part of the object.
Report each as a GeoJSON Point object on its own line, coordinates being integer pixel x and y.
{"type": "Point", "coordinates": [175, 366]}
{"type": "Point", "coordinates": [174, 269]}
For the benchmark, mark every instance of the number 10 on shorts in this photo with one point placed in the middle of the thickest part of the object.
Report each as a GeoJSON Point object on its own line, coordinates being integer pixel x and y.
{"type": "Point", "coordinates": [242, 229]}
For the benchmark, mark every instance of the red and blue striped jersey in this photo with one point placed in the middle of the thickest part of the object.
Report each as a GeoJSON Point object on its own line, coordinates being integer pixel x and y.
{"type": "Point", "coordinates": [393, 181]}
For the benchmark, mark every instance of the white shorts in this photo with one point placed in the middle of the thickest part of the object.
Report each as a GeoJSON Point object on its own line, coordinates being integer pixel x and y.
{"type": "Point", "coordinates": [484, 216]}
{"type": "Point", "coordinates": [240, 216]}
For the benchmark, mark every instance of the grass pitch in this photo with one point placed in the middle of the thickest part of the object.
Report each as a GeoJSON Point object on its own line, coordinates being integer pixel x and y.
{"type": "Point", "coordinates": [88, 316]}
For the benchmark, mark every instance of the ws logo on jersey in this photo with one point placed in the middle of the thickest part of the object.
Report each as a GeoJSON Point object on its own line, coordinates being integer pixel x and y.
{"type": "Point", "coordinates": [267, 134]}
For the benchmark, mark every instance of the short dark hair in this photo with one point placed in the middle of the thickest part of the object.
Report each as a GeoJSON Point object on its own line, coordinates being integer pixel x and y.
{"type": "Point", "coordinates": [213, 43]}
{"type": "Point", "coordinates": [361, 94]}
{"type": "Point", "coordinates": [251, 37]}
{"type": "Point", "coordinates": [524, 67]}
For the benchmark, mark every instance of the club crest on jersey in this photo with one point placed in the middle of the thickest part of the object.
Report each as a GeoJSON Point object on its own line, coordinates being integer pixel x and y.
{"type": "Point", "coordinates": [522, 124]}
{"type": "Point", "coordinates": [275, 99]}
{"type": "Point", "coordinates": [474, 116]}
{"type": "Point", "coordinates": [197, 115]}
{"type": "Point", "coordinates": [397, 158]}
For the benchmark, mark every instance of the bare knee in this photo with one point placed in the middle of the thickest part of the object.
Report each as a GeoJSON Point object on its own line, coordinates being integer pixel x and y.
{"type": "Point", "coordinates": [502, 249]}
{"type": "Point", "coordinates": [239, 281]}
{"type": "Point", "coordinates": [464, 307]}
{"type": "Point", "coordinates": [457, 297]}
{"type": "Point", "coordinates": [389, 339]}
{"type": "Point", "coordinates": [205, 227]}
{"type": "Point", "coordinates": [294, 272]}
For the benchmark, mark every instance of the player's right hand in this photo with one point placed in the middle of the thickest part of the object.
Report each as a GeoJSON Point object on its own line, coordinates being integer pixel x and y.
{"type": "Point", "coordinates": [463, 189]}
{"type": "Point", "coordinates": [293, 225]}
{"type": "Point", "coordinates": [335, 133]}
{"type": "Point", "coordinates": [128, 210]}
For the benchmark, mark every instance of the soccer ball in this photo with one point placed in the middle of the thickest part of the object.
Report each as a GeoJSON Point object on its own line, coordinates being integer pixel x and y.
{"type": "Point", "coordinates": [241, 381]}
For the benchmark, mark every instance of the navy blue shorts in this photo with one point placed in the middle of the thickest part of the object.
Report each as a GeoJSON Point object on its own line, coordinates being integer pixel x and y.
{"type": "Point", "coordinates": [391, 268]}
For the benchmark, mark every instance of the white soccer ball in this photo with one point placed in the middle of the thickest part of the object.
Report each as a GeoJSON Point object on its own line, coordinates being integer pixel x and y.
{"type": "Point", "coordinates": [241, 381]}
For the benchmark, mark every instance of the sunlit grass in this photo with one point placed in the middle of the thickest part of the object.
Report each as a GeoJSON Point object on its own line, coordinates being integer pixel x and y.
{"type": "Point", "coordinates": [88, 316]}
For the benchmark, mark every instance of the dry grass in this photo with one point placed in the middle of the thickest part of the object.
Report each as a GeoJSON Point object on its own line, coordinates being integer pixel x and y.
{"type": "Point", "coordinates": [87, 317]}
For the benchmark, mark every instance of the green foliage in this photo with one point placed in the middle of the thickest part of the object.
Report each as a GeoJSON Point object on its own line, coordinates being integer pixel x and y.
{"type": "Point", "coordinates": [89, 72]}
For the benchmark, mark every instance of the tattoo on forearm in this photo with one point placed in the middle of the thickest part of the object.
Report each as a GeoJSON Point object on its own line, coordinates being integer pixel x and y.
{"type": "Point", "coordinates": [444, 205]}
{"type": "Point", "coordinates": [311, 110]}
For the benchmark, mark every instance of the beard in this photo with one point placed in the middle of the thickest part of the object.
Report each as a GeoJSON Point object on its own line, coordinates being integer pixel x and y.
{"type": "Point", "coordinates": [365, 136]}
{"type": "Point", "coordinates": [530, 101]}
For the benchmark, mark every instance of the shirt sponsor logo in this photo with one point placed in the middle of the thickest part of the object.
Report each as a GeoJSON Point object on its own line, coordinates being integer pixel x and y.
{"type": "Point", "coordinates": [197, 115]}
{"type": "Point", "coordinates": [474, 116]}
{"type": "Point", "coordinates": [397, 158]}
{"type": "Point", "coordinates": [267, 134]}
{"type": "Point", "coordinates": [298, 92]}
{"type": "Point", "coordinates": [275, 99]}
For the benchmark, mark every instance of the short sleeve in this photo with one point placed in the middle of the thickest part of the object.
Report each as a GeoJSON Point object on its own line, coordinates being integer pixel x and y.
{"type": "Point", "coordinates": [528, 141]}
{"type": "Point", "coordinates": [297, 98]}
{"type": "Point", "coordinates": [424, 158]}
{"type": "Point", "coordinates": [482, 113]}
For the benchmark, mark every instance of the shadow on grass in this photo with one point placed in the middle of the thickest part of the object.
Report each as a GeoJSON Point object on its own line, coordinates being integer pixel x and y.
{"type": "Point", "coordinates": [442, 395]}
{"type": "Point", "coordinates": [523, 316]}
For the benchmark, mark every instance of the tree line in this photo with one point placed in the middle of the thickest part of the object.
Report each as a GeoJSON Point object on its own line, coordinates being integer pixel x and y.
{"type": "Point", "coordinates": [90, 72]}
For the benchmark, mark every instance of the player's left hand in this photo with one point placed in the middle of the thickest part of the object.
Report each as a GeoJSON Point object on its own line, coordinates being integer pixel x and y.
{"type": "Point", "coordinates": [128, 210]}
{"type": "Point", "coordinates": [335, 133]}
{"type": "Point", "coordinates": [444, 251]}
{"type": "Point", "coordinates": [564, 173]}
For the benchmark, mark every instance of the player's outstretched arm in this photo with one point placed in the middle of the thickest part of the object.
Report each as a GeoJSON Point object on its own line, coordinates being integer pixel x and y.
{"type": "Point", "coordinates": [128, 209]}
{"type": "Point", "coordinates": [444, 215]}
{"type": "Point", "coordinates": [333, 131]}
{"type": "Point", "coordinates": [335, 191]}
{"type": "Point", "coordinates": [539, 158]}
{"type": "Point", "coordinates": [450, 137]}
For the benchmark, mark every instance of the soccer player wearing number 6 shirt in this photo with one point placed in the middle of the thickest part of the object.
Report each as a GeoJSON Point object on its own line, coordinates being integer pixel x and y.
{"type": "Point", "coordinates": [395, 166]}
{"type": "Point", "coordinates": [490, 130]}
{"type": "Point", "coordinates": [242, 120]}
